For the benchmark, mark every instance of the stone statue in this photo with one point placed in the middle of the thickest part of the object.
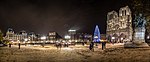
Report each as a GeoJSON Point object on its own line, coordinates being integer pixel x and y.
{"type": "Point", "coordinates": [139, 33]}
{"type": "Point", "coordinates": [139, 21]}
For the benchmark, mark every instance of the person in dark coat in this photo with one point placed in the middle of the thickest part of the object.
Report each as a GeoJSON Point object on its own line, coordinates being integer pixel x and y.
{"type": "Point", "coordinates": [91, 47]}
{"type": "Point", "coordinates": [83, 43]}
{"type": "Point", "coordinates": [103, 45]}
{"type": "Point", "coordinates": [19, 45]}
{"type": "Point", "coordinates": [58, 45]}
{"type": "Point", "coordinates": [9, 45]}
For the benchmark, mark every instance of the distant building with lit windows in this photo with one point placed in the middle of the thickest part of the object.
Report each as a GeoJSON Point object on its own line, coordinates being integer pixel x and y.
{"type": "Point", "coordinates": [12, 36]}
{"type": "Point", "coordinates": [32, 36]}
{"type": "Point", "coordinates": [83, 37]}
{"type": "Point", "coordinates": [72, 34]}
{"type": "Point", "coordinates": [53, 36]}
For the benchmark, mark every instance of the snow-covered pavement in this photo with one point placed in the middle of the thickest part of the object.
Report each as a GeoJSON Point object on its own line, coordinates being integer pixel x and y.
{"type": "Point", "coordinates": [113, 53]}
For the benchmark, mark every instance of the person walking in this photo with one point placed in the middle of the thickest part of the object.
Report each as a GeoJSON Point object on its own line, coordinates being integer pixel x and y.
{"type": "Point", "coordinates": [103, 45]}
{"type": "Point", "coordinates": [83, 43]}
{"type": "Point", "coordinates": [60, 45]}
{"type": "Point", "coordinates": [9, 45]}
{"type": "Point", "coordinates": [19, 45]}
{"type": "Point", "coordinates": [56, 44]}
{"type": "Point", "coordinates": [91, 47]}
{"type": "Point", "coordinates": [43, 44]}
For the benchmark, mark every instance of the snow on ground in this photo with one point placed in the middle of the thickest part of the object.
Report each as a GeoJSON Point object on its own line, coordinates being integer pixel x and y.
{"type": "Point", "coordinates": [113, 53]}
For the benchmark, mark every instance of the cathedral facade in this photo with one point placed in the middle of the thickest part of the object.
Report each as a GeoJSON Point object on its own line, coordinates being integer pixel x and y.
{"type": "Point", "coordinates": [119, 25]}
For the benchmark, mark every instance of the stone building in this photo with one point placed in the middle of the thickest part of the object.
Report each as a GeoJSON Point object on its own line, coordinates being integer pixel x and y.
{"type": "Point", "coordinates": [119, 25]}
{"type": "Point", "coordinates": [12, 36]}
{"type": "Point", "coordinates": [53, 36]}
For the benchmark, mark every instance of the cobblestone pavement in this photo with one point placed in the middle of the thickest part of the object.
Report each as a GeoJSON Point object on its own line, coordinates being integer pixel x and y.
{"type": "Point", "coordinates": [73, 54]}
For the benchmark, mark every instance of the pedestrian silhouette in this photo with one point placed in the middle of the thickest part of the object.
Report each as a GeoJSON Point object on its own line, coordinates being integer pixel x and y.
{"type": "Point", "coordinates": [103, 45]}
{"type": "Point", "coordinates": [91, 47]}
{"type": "Point", "coordinates": [19, 45]}
{"type": "Point", "coordinates": [9, 45]}
{"type": "Point", "coordinates": [58, 45]}
{"type": "Point", "coordinates": [83, 43]}
{"type": "Point", "coordinates": [42, 44]}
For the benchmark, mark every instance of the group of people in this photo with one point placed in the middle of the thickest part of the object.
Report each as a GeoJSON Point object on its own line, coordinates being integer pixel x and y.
{"type": "Point", "coordinates": [91, 47]}
{"type": "Point", "coordinates": [10, 44]}
{"type": "Point", "coordinates": [59, 45]}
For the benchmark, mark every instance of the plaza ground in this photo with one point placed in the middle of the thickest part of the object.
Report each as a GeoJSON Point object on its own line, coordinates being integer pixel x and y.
{"type": "Point", "coordinates": [78, 53]}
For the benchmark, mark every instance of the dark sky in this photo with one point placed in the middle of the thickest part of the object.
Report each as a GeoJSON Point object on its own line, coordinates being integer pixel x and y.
{"type": "Point", "coordinates": [42, 16]}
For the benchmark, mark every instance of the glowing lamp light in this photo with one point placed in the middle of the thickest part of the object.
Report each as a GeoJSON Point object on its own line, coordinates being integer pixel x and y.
{"type": "Point", "coordinates": [96, 37]}
{"type": "Point", "coordinates": [121, 38]}
{"type": "Point", "coordinates": [148, 37]}
{"type": "Point", "coordinates": [26, 39]}
{"type": "Point", "coordinates": [113, 37]}
{"type": "Point", "coordinates": [67, 37]}
{"type": "Point", "coordinates": [63, 41]}
{"type": "Point", "coordinates": [72, 30]}
{"type": "Point", "coordinates": [43, 38]}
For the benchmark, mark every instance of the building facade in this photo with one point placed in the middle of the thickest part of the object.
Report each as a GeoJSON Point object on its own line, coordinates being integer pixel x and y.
{"type": "Point", "coordinates": [53, 36]}
{"type": "Point", "coordinates": [119, 25]}
{"type": "Point", "coordinates": [12, 36]}
{"type": "Point", "coordinates": [72, 34]}
{"type": "Point", "coordinates": [32, 36]}
{"type": "Point", "coordinates": [83, 37]}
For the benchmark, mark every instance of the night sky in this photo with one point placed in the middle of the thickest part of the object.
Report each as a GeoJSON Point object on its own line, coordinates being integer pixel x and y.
{"type": "Point", "coordinates": [42, 16]}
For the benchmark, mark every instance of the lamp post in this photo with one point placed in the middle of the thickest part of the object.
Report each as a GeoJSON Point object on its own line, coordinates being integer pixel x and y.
{"type": "Point", "coordinates": [43, 38]}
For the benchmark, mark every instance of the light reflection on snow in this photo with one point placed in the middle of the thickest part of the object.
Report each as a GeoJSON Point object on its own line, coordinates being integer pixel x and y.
{"type": "Point", "coordinates": [67, 48]}
{"type": "Point", "coordinates": [119, 44]}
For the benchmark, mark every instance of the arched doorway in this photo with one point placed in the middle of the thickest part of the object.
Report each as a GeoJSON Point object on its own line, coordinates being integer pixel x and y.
{"type": "Point", "coordinates": [122, 37]}
{"type": "Point", "coordinates": [114, 38]}
{"type": "Point", "coordinates": [109, 38]}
